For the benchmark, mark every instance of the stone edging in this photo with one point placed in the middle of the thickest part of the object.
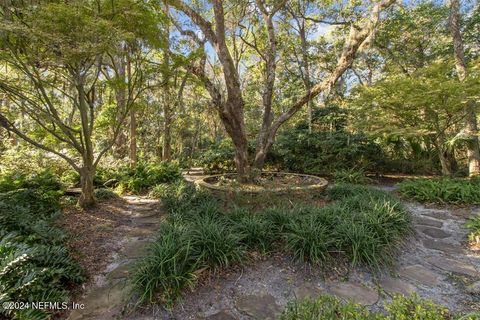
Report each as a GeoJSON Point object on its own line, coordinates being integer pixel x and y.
{"type": "Point", "coordinates": [320, 186]}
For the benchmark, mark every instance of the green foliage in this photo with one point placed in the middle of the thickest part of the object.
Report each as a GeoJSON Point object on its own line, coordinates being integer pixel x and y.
{"type": "Point", "coordinates": [326, 308]}
{"type": "Point", "coordinates": [473, 225]}
{"type": "Point", "coordinates": [105, 194]}
{"type": "Point", "coordinates": [414, 308]}
{"type": "Point", "coordinates": [322, 152]}
{"type": "Point", "coordinates": [309, 239]}
{"type": "Point", "coordinates": [139, 179]}
{"type": "Point", "coordinates": [34, 263]}
{"type": "Point", "coordinates": [218, 158]}
{"type": "Point", "coordinates": [365, 225]}
{"type": "Point", "coordinates": [45, 182]}
{"type": "Point", "coordinates": [350, 176]}
{"type": "Point", "coordinates": [446, 190]}
{"type": "Point", "coordinates": [330, 308]}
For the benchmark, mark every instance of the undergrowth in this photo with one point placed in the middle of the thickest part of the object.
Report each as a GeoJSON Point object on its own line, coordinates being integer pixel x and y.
{"type": "Point", "coordinates": [400, 308]}
{"type": "Point", "coordinates": [445, 190]}
{"type": "Point", "coordinates": [364, 225]}
{"type": "Point", "coordinates": [34, 262]}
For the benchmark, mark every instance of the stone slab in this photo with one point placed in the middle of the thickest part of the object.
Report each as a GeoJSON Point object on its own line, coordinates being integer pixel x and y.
{"type": "Point", "coordinates": [420, 274]}
{"type": "Point", "coordinates": [433, 232]}
{"type": "Point", "coordinates": [454, 266]}
{"type": "Point", "coordinates": [397, 286]}
{"type": "Point", "coordinates": [356, 292]}
{"type": "Point", "coordinates": [259, 306]}
{"type": "Point", "coordinates": [426, 221]}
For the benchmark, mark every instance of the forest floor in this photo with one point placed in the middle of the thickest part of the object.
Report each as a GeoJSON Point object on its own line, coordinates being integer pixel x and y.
{"type": "Point", "coordinates": [436, 263]}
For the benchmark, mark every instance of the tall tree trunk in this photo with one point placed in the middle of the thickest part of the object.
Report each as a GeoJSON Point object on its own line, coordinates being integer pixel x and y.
{"type": "Point", "coordinates": [133, 139]}
{"type": "Point", "coordinates": [471, 126]}
{"type": "Point", "coordinates": [167, 124]}
{"type": "Point", "coordinates": [446, 157]}
{"type": "Point", "coordinates": [87, 198]}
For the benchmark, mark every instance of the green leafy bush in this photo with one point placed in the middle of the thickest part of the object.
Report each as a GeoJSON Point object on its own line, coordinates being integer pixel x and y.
{"type": "Point", "coordinates": [321, 152]}
{"type": "Point", "coordinates": [401, 308]}
{"type": "Point", "coordinates": [218, 158]}
{"type": "Point", "coordinates": [44, 182]}
{"type": "Point", "coordinates": [365, 225]}
{"type": "Point", "coordinates": [473, 226]}
{"type": "Point", "coordinates": [350, 176]}
{"type": "Point", "coordinates": [34, 263]}
{"type": "Point", "coordinates": [139, 179]}
{"type": "Point", "coordinates": [326, 308]}
{"type": "Point", "coordinates": [414, 308]}
{"type": "Point", "coordinates": [104, 194]}
{"type": "Point", "coordinates": [446, 190]}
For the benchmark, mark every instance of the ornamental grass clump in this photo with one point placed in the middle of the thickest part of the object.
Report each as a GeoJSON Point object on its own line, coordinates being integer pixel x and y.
{"type": "Point", "coordinates": [363, 226]}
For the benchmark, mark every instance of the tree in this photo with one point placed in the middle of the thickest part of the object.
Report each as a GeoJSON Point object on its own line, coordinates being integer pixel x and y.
{"type": "Point", "coordinates": [59, 59]}
{"type": "Point", "coordinates": [471, 127]}
{"type": "Point", "coordinates": [230, 104]}
{"type": "Point", "coordinates": [425, 104]}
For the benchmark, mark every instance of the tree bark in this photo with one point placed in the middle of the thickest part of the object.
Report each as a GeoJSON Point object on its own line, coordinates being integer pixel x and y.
{"type": "Point", "coordinates": [87, 198]}
{"type": "Point", "coordinates": [471, 126]}
{"type": "Point", "coordinates": [133, 139]}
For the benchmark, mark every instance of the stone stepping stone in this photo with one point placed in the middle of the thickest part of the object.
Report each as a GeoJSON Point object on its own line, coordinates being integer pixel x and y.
{"type": "Point", "coordinates": [433, 232]}
{"type": "Point", "coordinates": [221, 315]}
{"type": "Point", "coordinates": [425, 221]}
{"type": "Point", "coordinates": [135, 249]}
{"type": "Point", "coordinates": [142, 232]}
{"type": "Point", "coordinates": [120, 272]}
{"type": "Point", "coordinates": [307, 290]}
{"type": "Point", "coordinates": [261, 306]}
{"type": "Point", "coordinates": [103, 303]}
{"type": "Point", "coordinates": [355, 292]}
{"type": "Point", "coordinates": [397, 286]}
{"type": "Point", "coordinates": [442, 246]}
{"type": "Point", "coordinates": [438, 215]}
{"type": "Point", "coordinates": [454, 266]}
{"type": "Point", "coordinates": [421, 274]}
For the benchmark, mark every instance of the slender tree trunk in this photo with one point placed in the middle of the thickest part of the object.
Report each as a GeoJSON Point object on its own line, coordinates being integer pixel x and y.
{"type": "Point", "coordinates": [471, 126]}
{"type": "Point", "coordinates": [87, 198]}
{"type": "Point", "coordinates": [167, 123]}
{"type": "Point", "coordinates": [133, 139]}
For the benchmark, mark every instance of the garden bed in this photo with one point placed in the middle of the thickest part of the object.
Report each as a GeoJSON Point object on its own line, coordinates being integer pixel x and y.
{"type": "Point", "coordinates": [267, 182]}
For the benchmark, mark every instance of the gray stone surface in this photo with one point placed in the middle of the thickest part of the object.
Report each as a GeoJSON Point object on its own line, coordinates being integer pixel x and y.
{"type": "Point", "coordinates": [261, 306]}
{"type": "Point", "coordinates": [474, 288]}
{"type": "Point", "coordinates": [120, 272]}
{"type": "Point", "coordinates": [454, 266]}
{"type": "Point", "coordinates": [307, 290]}
{"type": "Point", "coordinates": [442, 246]}
{"type": "Point", "coordinates": [221, 315]}
{"type": "Point", "coordinates": [433, 232]}
{"type": "Point", "coordinates": [135, 249]}
{"type": "Point", "coordinates": [421, 274]}
{"type": "Point", "coordinates": [356, 292]}
{"type": "Point", "coordinates": [397, 286]}
{"type": "Point", "coordinates": [425, 221]}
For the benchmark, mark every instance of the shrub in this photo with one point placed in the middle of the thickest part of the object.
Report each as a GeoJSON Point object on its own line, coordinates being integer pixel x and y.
{"type": "Point", "coordinates": [351, 176]}
{"type": "Point", "coordinates": [218, 158]}
{"type": "Point", "coordinates": [139, 179]}
{"type": "Point", "coordinates": [34, 263]}
{"type": "Point", "coordinates": [321, 152]}
{"type": "Point", "coordinates": [330, 308]}
{"type": "Point", "coordinates": [473, 226]}
{"type": "Point", "coordinates": [44, 182]}
{"type": "Point", "coordinates": [214, 243]}
{"type": "Point", "coordinates": [366, 226]}
{"type": "Point", "coordinates": [310, 240]}
{"type": "Point", "coordinates": [167, 269]}
{"type": "Point", "coordinates": [446, 190]}
{"type": "Point", "coordinates": [414, 308]}
{"type": "Point", "coordinates": [104, 194]}
{"type": "Point", "coordinates": [326, 308]}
